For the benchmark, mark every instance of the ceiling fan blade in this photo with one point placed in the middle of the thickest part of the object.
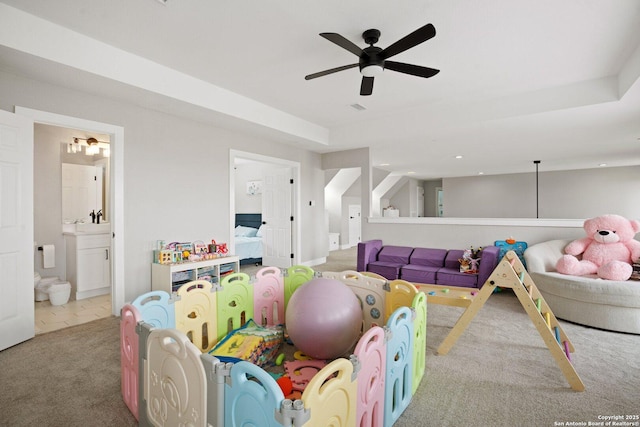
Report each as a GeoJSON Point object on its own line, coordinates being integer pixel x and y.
{"type": "Point", "coordinates": [366, 88]}
{"type": "Point", "coordinates": [418, 36]}
{"type": "Point", "coordinates": [342, 42]}
{"type": "Point", "coordinates": [414, 70]}
{"type": "Point", "coordinates": [331, 71]}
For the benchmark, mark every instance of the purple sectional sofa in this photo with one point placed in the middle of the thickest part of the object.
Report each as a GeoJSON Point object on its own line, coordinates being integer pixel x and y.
{"type": "Point", "coordinates": [424, 265]}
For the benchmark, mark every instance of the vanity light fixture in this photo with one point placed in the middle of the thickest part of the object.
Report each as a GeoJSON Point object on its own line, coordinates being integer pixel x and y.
{"type": "Point", "coordinates": [92, 145]}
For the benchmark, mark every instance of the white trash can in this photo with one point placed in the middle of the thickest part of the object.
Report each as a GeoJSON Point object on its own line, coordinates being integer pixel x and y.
{"type": "Point", "coordinates": [59, 293]}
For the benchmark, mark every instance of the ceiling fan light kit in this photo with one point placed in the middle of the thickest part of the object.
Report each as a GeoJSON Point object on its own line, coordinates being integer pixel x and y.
{"type": "Point", "coordinates": [373, 59]}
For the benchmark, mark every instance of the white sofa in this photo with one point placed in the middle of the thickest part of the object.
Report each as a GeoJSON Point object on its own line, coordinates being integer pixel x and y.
{"type": "Point", "coordinates": [587, 300]}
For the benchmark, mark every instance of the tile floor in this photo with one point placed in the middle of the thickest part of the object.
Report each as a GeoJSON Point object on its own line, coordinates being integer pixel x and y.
{"type": "Point", "coordinates": [53, 317]}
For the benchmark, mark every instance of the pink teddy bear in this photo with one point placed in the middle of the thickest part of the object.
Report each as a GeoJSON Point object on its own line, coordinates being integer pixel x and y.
{"type": "Point", "coordinates": [608, 250]}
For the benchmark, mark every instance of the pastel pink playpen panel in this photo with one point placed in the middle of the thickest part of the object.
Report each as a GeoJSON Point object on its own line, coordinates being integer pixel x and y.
{"type": "Point", "coordinates": [129, 354]}
{"type": "Point", "coordinates": [268, 297]}
{"type": "Point", "coordinates": [371, 352]}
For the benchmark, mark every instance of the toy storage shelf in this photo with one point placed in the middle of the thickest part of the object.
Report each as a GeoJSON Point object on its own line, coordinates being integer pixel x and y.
{"type": "Point", "coordinates": [169, 277]}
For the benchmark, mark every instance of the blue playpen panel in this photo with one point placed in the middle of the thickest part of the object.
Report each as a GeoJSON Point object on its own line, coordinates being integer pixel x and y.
{"type": "Point", "coordinates": [157, 309]}
{"type": "Point", "coordinates": [399, 365]}
{"type": "Point", "coordinates": [252, 398]}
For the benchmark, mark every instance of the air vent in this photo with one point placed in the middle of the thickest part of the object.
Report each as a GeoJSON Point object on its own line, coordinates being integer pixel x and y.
{"type": "Point", "coordinates": [358, 107]}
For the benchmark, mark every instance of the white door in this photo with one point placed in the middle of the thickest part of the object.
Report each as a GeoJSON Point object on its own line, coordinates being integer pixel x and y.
{"type": "Point", "coordinates": [16, 230]}
{"type": "Point", "coordinates": [276, 218]}
{"type": "Point", "coordinates": [354, 225]}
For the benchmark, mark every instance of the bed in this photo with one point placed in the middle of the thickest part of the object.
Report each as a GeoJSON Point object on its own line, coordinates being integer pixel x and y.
{"type": "Point", "coordinates": [248, 238]}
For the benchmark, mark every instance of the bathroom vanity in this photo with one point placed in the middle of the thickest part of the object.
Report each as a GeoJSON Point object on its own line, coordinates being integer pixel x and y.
{"type": "Point", "coordinates": [89, 260]}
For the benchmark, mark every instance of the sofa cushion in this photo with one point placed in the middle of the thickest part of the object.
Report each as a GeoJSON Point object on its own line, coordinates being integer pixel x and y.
{"type": "Point", "coordinates": [419, 273]}
{"type": "Point", "coordinates": [389, 270]}
{"type": "Point", "coordinates": [453, 277]}
{"type": "Point", "coordinates": [428, 257]}
{"type": "Point", "coordinates": [395, 254]}
{"type": "Point", "coordinates": [451, 261]}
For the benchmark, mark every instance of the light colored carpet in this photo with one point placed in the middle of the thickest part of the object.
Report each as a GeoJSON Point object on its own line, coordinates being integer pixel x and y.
{"type": "Point", "coordinates": [499, 373]}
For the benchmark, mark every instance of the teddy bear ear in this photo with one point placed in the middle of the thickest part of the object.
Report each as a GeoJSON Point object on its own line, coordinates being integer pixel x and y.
{"type": "Point", "coordinates": [635, 225]}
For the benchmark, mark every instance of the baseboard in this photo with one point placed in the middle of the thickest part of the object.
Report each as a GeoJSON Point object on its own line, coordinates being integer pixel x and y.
{"type": "Point", "coordinates": [313, 262]}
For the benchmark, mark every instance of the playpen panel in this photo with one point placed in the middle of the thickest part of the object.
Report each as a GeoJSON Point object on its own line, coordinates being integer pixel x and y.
{"type": "Point", "coordinates": [235, 303]}
{"type": "Point", "coordinates": [399, 365]}
{"type": "Point", "coordinates": [419, 339]}
{"type": "Point", "coordinates": [175, 381]}
{"type": "Point", "coordinates": [332, 394]}
{"type": "Point", "coordinates": [401, 294]}
{"type": "Point", "coordinates": [196, 313]}
{"type": "Point", "coordinates": [268, 297]}
{"type": "Point", "coordinates": [371, 352]}
{"type": "Point", "coordinates": [370, 292]}
{"type": "Point", "coordinates": [296, 276]}
{"type": "Point", "coordinates": [129, 318]}
{"type": "Point", "coordinates": [252, 398]}
{"type": "Point", "coordinates": [157, 309]}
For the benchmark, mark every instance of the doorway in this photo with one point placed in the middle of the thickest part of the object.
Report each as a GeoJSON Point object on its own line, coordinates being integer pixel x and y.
{"type": "Point", "coordinates": [71, 191]}
{"type": "Point", "coordinates": [116, 188]}
{"type": "Point", "coordinates": [292, 208]}
{"type": "Point", "coordinates": [355, 225]}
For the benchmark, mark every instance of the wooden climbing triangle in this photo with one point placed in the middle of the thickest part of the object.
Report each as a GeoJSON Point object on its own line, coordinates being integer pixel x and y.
{"type": "Point", "coordinates": [510, 273]}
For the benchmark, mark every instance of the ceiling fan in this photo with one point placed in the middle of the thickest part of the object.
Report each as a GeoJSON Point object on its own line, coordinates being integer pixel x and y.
{"type": "Point", "coordinates": [373, 60]}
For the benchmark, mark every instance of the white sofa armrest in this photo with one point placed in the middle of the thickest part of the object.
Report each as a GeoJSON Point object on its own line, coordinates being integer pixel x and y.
{"type": "Point", "coordinates": [542, 257]}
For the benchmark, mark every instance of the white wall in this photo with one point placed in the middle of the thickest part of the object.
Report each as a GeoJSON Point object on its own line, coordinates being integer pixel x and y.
{"type": "Point", "coordinates": [445, 235]}
{"type": "Point", "coordinates": [176, 173]}
{"type": "Point", "coordinates": [47, 200]}
{"type": "Point", "coordinates": [563, 194]}
{"type": "Point", "coordinates": [245, 172]}
{"type": "Point", "coordinates": [578, 195]}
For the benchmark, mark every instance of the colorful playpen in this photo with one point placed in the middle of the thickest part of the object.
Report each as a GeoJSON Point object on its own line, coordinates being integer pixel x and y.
{"type": "Point", "coordinates": [169, 378]}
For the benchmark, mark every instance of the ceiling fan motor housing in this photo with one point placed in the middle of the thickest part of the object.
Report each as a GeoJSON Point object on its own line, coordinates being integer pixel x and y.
{"type": "Point", "coordinates": [371, 56]}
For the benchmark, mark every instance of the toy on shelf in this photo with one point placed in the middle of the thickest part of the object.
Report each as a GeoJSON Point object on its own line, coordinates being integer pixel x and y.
{"type": "Point", "coordinates": [176, 252]}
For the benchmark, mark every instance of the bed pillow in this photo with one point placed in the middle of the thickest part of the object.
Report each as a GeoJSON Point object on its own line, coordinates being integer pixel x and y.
{"type": "Point", "coordinates": [260, 230]}
{"type": "Point", "coordinates": [242, 231]}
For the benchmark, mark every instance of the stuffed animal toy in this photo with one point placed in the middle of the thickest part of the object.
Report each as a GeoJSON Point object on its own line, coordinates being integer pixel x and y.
{"type": "Point", "coordinates": [608, 250]}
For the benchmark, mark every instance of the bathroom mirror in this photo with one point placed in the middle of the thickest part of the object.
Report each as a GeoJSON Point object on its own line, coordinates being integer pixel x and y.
{"type": "Point", "coordinates": [85, 186]}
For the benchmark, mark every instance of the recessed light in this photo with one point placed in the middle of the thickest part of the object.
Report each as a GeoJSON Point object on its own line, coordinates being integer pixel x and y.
{"type": "Point", "coordinates": [602, 165]}
{"type": "Point", "coordinates": [480, 173]}
{"type": "Point", "coordinates": [410, 173]}
{"type": "Point", "coordinates": [384, 164]}
{"type": "Point", "coordinates": [458, 156]}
